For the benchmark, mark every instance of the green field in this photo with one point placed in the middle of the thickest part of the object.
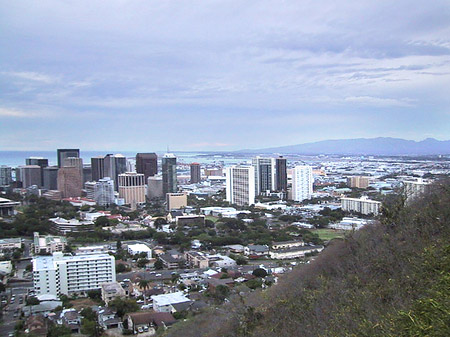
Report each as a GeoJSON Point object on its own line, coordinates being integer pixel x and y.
{"type": "Point", "coordinates": [328, 234]}
{"type": "Point", "coordinates": [212, 218]}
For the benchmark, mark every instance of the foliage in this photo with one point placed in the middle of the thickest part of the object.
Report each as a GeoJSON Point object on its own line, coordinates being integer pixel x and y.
{"type": "Point", "coordinates": [141, 263]}
{"type": "Point", "coordinates": [32, 301]}
{"type": "Point", "coordinates": [259, 272]}
{"type": "Point", "coordinates": [123, 306]}
{"type": "Point", "coordinates": [121, 267]}
{"type": "Point", "coordinates": [159, 264]}
{"type": "Point", "coordinates": [95, 294]}
{"type": "Point", "coordinates": [57, 330]}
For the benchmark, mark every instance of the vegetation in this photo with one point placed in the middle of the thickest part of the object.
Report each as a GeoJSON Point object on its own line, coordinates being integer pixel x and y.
{"type": "Point", "coordinates": [390, 279]}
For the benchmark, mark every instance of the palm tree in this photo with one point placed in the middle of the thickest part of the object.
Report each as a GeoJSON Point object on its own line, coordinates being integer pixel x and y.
{"type": "Point", "coordinates": [144, 285]}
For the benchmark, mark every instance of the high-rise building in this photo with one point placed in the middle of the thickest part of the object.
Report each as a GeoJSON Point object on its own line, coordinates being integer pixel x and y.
{"type": "Point", "coordinates": [114, 165]}
{"type": "Point", "coordinates": [89, 188]}
{"type": "Point", "coordinates": [147, 164]}
{"type": "Point", "coordinates": [59, 274]}
{"type": "Point", "coordinates": [240, 187]}
{"type": "Point", "coordinates": [70, 182]}
{"type": "Point", "coordinates": [362, 205]}
{"type": "Point", "coordinates": [132, 188]}
{"type": "Point", "coordinates": [196, 176]}
{"type": "Point", "coordinates": [29, 175]}
{"type": "Point", "coordinates": [176, 201]}
{"type": "Point", "coordinates": [104, 191]}
{"type": "Point", "coordinates": [50, 177]}
{"type": "Point", "coordinates": [64, 153]}
{"type": "Point", "coordinates": [169, 173]}
{"type": "Point", "coordinates": [40, 161]}
{"type": "Point", "coordinates": [154, 187]}
{"type": "Point", "coordinates": [302, 183]}
{"type": "Point", "coordinates": [358, 182]}
{"type": "Point", "coordinates": [264, 174]}
{"type": "Point", "coordinates": [5, 175]}
{"type": "Point", "coordinates": [281, 174]}
{"type": "Point", "coordinates": [415, 188]}
{"type": "Point", "coordinates": [98, 167]}
{"type": "Point", "coordinates": [87, 173]}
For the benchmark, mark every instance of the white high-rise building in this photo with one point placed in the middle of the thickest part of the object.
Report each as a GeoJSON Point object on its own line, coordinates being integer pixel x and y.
{"type": "Point", "coordinates": [240, 189]}
{"type": "Point", "coordinates": [302, 183]}
{"type": "Point", "coordinates": [59, 274]}
{"type": "Point", "coordinates": [265, 171]}
{"type": "Point", "coordinates": [104, 192]}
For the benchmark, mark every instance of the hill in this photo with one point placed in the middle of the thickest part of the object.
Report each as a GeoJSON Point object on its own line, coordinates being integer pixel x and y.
{"type": "Point", "coordinates": [364, 146]}
{"type": "Point", "coordinates": [390, 279]}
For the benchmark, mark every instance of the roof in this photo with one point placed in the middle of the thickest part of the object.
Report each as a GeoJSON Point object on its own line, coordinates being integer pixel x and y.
{"type": "Point", "coordinates": [157, 318]}
{"type": "Point", "coordinates": [171, 298]}
{"type": "Point", "coordinates": [139, 247]}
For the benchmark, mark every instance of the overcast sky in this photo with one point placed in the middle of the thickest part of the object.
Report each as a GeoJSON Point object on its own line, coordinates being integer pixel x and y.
{"type": "Point", "coordinates": [220, 75]}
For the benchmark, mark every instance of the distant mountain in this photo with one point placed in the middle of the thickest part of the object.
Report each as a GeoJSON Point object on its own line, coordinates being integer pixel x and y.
{"type": "Point", "coordinates": [364, 146]}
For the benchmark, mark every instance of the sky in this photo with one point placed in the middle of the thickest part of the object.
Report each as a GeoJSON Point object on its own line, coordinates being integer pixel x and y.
{"type": "Point", "coordinates": [220, 75]}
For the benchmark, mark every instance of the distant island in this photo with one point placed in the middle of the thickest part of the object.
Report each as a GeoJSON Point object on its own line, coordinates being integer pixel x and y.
{"type": "Point", "coordinates": [381, 146]}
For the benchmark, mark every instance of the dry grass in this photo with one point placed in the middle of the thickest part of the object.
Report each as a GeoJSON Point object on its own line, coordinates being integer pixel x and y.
{"type": "Point", "coordinates": [81, 303]}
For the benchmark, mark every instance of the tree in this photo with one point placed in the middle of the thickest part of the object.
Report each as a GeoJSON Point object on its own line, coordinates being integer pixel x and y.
{"type": "Point", "coordinates": [88, 313]}
{"type": "Point", "coordinates": [123, 306]}
{"type": "Point", "coordinates": [59, 331]}
{"type": "Point", "coordinates": [221, 292]}
{"type": "Point", "coordinates": [102, 221]}
{"type": "Point", "coordinates": [144, 285]}
{"type": "Point", "coordinates": [32, 301]}
{"type": "Point", "coordinates": [119, 245]}
{"type": "Point", "coordinates": [141, 263]}
{"type": "Point", "coordinates": [159, 264]}
{"type": "Point", "coordinates": [120, 268]}
{"type": "Point", "coordinates": [259, 272]}
{"type": "Point", "coordinates": [95, 294]}
{"type": "Point", "coordinates": [90, 327]}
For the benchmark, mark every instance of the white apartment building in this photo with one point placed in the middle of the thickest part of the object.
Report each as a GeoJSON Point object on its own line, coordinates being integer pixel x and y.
{"type": "Point", "coordinates": [240, 187]}
{"type": "Point", "coordinates": [132, 188]}
{"type": "Point", "coordinates": [415, 188]}
{"type": "Point", "coordinates": [48, 243]}
{"type": "Point", "coordinates": [302, 183]}
{"type": "Point", "coordinates": [104, 191]}
{"type": "Point", "coordinates": [264, 174]}
{"type": "Point", "coordinates": [59, 274]}
{"type": "Point", "coordinates": [362, 205]}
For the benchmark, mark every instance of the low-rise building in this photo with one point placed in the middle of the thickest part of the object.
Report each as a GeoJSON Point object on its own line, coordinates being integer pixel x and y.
{"type": "Point", "coordinates": [294, 252]}
{"type": "Point", "coordinates": [73, 225]}
{"type": "Point", "coordinates": [7, 207]}
{"type": "Point", "coordinates": [256, 250]}
{"type": "Point", "coordinates": [149, 322]}
{"type": "Point", "coordinates": [10, 244]}
{"type": "Point", "coordinates": [48, 243]}
{"type": "Point", "coordinates": [287, 244]}
{"type": "Point", "coordinates": [139, 248]}
{"type": "Point", "coordinates": [176, 200]}
{"type": "Point", "coordinates": [196, 259]}
{"type": "Point", "coordinates": [111, 290]}
{"type": "Point", "coordinates": [163, 303]}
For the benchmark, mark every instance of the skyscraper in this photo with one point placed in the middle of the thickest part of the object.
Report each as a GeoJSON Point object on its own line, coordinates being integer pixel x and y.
{"type": "Point", "coordinates": [169, 173]}
{"type": "Point", "coordinates": [113, 166]}
{"type": "Point", "coordinates": [50, 177]}
{"type": "Point", "coordinates": [64, 153]}
{"type": "Point", "coordinates": [281, 174]}
{"type": "Point", "coordinates": [39, 161]}
{"type": "Point", "coordinates": [132, 188]}
{"type": "Point", "coordinates": [29, 175]}
{"type": "Point", "coordinates": [302, 183]}
{"type": "Point", "coordinates": [264, 174]}
{"type": "Point", "coordinates": [195, 173]}
{"type": "Point", "coordinates": [240, 188]}
{"type": "Point", "coordinates": [104, 192]}
{"type": "Point", "coordinates": [98, 167]}
{"type": "Point", "coordinates": [70, 182]}
{"type": "Point", "coordinates": [147, 164]}
{"type": "Point", "coordinates": [5, 175]}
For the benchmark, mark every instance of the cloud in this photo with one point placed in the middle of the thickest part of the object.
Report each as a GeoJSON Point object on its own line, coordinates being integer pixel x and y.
{"type": "Point", "coordinates": [33, 76]}
{"type": "Point", "coordinates": [6, 112]}
{"type": "Point", "coordinates": [379, 101]}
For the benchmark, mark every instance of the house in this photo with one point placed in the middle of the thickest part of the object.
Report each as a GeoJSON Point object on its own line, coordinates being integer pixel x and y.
{"type": "Point", "coordinates": [256, 250]}
{"type": "Point", "coordinates": [221, 261]}
{"type": "Point", "coordinates": [111, 290]}
{"type": "Point", "coordinates": [70, 318]}
{"type": "Point", "coordinates": [163, 303]}
{"type": "Point", "coordinates": [149, 321]}
{"type": "Point", "coordinates": [108, 319]}
{"type": "Point", "coordinates": [36, 325]}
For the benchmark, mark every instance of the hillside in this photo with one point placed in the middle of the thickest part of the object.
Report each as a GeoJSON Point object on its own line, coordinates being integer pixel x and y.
{"type": "Point", "coordinates": [364, 146]}
{"type": "Point", "coordinates": [392, 279]}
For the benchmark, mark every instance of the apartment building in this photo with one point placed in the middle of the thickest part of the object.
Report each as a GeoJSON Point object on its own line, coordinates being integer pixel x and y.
{"type": "Point", "coordinates": [362, 205]}
{"type": "Point", "coordinates": [241, 185]}
{"type": "Point", "coordinates": [59, 274]}
{"type": "Point", "coordinates": [302, 183]}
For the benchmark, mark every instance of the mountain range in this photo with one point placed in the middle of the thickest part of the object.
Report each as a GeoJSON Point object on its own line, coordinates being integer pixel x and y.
{"type": "Point", "coordinates": [385, 146]}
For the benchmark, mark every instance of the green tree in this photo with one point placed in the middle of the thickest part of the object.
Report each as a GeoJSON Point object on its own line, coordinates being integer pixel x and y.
{"type": "Point", "coordinates": [59, 331]}
{"type": "Point", "coordinates": [123, 306]}
{"type": "Point", "coordinates": [159, 264]}
{"type": "Point", "coordinates": [141, 263]}
{"type": "Point", "coordinates": [88, 313]}
{"type": "Point", "coordinates": [144, 285]}
{"type": "Point", "coordinates": [259, 272]}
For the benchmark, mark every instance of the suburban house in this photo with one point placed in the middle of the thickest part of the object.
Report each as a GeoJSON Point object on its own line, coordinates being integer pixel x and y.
{"type": "Point", "coordinates": [111, 290]}
{"type": "Point", "coordinates": [165, 302]}
{"type": "Point", "coordinates": [256, 250]}
{"type": "Point", "coordinates": [149, 321]}
{"type": "Point", "coordinates": [108, 319]}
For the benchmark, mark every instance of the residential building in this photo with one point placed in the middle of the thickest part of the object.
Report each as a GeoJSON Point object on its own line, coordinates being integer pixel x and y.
{"type": "Point", "coordinates": [240, 185]}
{"type": "Point", "coordinates": [5, 268]}
{"type": "Point", "coordinates": [59, 274]}
{"type": "Point", "coordinates": [294, 252]}
{"type": "Point", "coordinates": [256, 250]}
{"type": "Point", "coordinates": [7, 207]}
{"type": "Point", "coordinates": [169, 173]}
{"type": "Point", "coordinates": [416, 188]}
{"type": "Point", "coordinates": [89, 189]}
{"type": "Point", "coordinates": [50, 177]}
{"type": "Point", "coordinates": [111, 290]}
{"type": "Point", "coordinates": [213, 172]}
{"type": "Point", "coordinates": [147, 164]}
{"type": "Point", "coordinates": [358, 182]}
{"type": "Point", "coordinates": [302, 183]}
{"type": "Point", "coordinates": [165, 302]}
{"type": "Point", "coordinates": [62, 154]}
{"type": "Point", "coordinates": [5, 175]}
{"type": "Point", "coordinates": [196, 259]}
{"type": "Point", "coordinates": [362, 205]}
{"type": "Point", "coordinates": [287, 244]}
{"type": "Point", "coordinates": [48, 243]}
{"type": "Point", "coordinates": [149, 322]}
{"type": "Point", "coordinates": [196, 176]}
{"type": "Point", "coordinates": [176, 201]}
{"type": "Point", "coordinates": [69, 182]}
{"type": "Point", "coordinates": [10, 244]}
{"type": "Point", "coordinates": [132, 188]}
{"type": "Point", "coordinates": [139, 248]}
{"type": "Point", "coordinates": [104, 192]}
{"type": "Point", "coordinates": [87, 173]}
{"type": "Point", "coordinates": [264, 174]}
{"type": "Point", "coordinates": [29, 175]}
{"type": "Point", "coordinates": [154, 187]}
{"type": "Point", "coordinates": [281, 175]}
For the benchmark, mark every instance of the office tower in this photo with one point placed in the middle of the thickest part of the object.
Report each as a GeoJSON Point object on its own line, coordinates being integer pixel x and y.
{"type": "Point", "coordinates": [40, 161]}
{"type": "Point", "coordinates": [64, 153]}
{"type": "Point", "coordinates": [240, 187]}
{"type": "Point", "coordinates": [358, 182]}
{"type": "Point", "coordinates": [69, 182]}
{"type": "Point", "coordinates": [131, 165]}
{"type": "Point", "coordinates": [114, 165]}
{"type": "Point", "coordinates": [176, 201]}
{"type": "Point", "coordinates": [281, 174]}
{"type": "Point", "coordinates": [147, 163]}
{"type": "Point", "coordinates": [59, 274]}
{"type": "Point", "coordinates": [5, 175]}
{"type": "Point", "coordinates": [132, 188]}
{"type": "Point", "coordinates": [50, 177]}
{"type": "Point", "coordinates": [87, 173]}
{"type": "Point", "coordinates": [264, 174]}
{"type": "Point", "coordinates": [213, 172]}
{"type": "Point", "coordinates": [302, 183]}
{"type": "Point", "coordinates": [154, 187]}
{"type": "Point", "coordinates": [169, 173]}
{"type": "Point", "coordinates": [73, 162]}
{"type": "Point", "coordinates": [29, 175]}
{"type": "Point", "coordinates": [89, 188]}
{"type": "Point", "coordinates": [195, 173]}
{"type": "Point", "coordinates": [104, 192]}
{"type": "Point", "coordinates": [98, 167]}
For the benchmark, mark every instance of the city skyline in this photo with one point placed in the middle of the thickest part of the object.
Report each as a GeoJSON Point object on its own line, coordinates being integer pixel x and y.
{"type": "Point", "coordinates": [221, 76]}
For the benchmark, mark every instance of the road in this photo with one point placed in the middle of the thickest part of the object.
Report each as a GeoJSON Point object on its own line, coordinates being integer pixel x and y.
{"type": "Point", "coordinates": [12, 311]}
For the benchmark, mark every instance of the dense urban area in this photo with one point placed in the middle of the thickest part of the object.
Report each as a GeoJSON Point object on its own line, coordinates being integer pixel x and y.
{"type": "Point", "coordinates": [144, 245]}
